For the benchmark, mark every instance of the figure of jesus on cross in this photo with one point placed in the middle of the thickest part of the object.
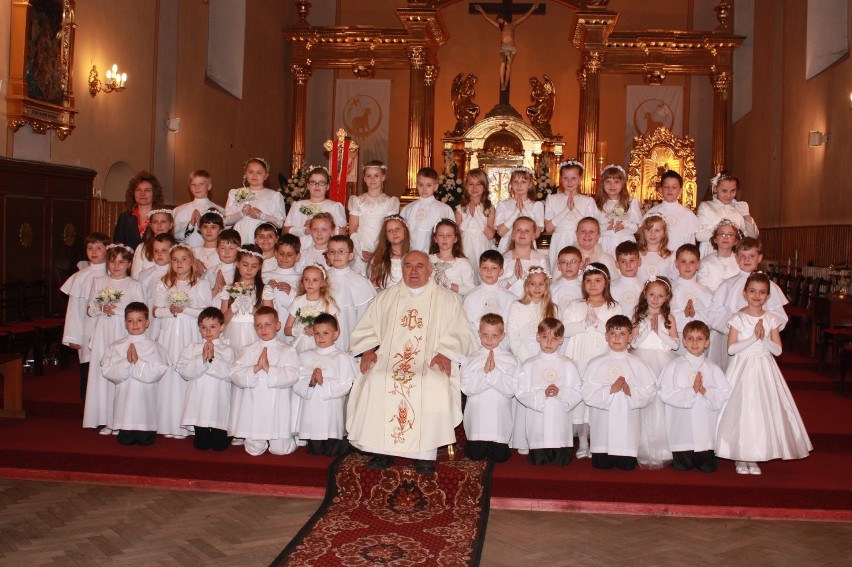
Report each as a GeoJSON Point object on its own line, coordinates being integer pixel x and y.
{"type": "Point", "coordinates": [503, 22]}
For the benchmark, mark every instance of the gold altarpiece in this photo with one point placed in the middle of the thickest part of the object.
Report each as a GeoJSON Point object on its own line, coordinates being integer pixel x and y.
{"type": "Point", "coordinates": [654, 54]}
{"type": "Point", "coordinates": [654, 154]}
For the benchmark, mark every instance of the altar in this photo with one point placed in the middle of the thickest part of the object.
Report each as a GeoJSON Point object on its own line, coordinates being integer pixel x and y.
{"type": "Point", "coordinates": [417, 48]}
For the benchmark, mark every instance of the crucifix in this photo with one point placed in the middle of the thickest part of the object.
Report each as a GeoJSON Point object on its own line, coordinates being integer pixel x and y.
{"type": "Point", "coordinates": [504, 24]}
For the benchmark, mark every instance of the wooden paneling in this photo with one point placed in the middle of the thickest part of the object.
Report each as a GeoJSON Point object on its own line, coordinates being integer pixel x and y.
{"type": "Point", "coordinates": [821, 245]}
{"type": "Point", "coordinates": [43, 219]}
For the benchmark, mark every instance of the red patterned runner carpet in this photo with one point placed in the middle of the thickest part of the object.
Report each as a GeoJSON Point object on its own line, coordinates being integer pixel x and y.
{"type": "Point", "coordinates": [396, 517]}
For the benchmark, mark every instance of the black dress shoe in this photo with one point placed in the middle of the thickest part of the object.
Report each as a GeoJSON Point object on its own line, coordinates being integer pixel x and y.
{"type": "Point", "coordinates": [380, 462]}
{"type": "Point", "coordinates": [424, 467]}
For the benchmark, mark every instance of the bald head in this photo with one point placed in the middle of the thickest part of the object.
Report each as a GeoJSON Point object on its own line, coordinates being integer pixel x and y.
{"type": "Point", "coordinates": [416, 269]}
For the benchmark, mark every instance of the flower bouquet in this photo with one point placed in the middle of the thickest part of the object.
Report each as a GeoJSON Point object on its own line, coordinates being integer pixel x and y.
{"type": "Point", "coordinates": [178, 298]}
{"type": "Point", "coordinates": [240, 289]}
{"type": "Point", "coordinates": [544, 185]}
{"type": "Point", "coordinates": [307, 315]}
{"type": "Point", "coordinates": [310, 210]}
{"type": "Point", "coordinates": [243, 196]}
{"type": "Point", "coordinates": [108, 296]}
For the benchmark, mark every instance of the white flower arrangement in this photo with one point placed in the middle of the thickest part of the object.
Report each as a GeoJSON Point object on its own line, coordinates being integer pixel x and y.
{"type": "Point", "coordinates": [243, 195]}
{"type": "Point", "coordinates": [240, 290]}
{"type": "Point", "coordinates": [307, 315]}
{"type": "Point", "coordinates": [108, 295]}
{"type": "Point", "coordinates": [178, 298]}
{"type": "Point", "coordinates": [450, 188]}
{"type": "Point", "coordinates": [293, 188]}
{"type": "Point", "coordinates": [310, 210]}
{"type": "Point", "coordinates": [544, 186]}
{"type": "Point", "coordinates": [617, 212]}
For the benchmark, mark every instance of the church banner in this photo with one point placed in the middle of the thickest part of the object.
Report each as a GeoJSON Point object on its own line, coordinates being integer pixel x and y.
{"type": "Point", "coordinates": [362, 107]}
{"type": "Point", "coordinates": [648, 108]}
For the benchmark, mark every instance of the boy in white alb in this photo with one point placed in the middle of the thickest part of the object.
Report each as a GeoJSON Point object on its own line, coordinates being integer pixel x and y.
{"type": "Point", "coordinates": [264, 373]}
{"type": "Point", "coordinates": [693, 390]}
{"type": "Point", "coordinates": [78, 325]}
{"type": "Point", "coordinates": [423, 214]}
{"type": "Point", "coordinates": [690, 300]}
{"type": "Point", "coordinates": [324, 383]}
{"type": "Point", "coordinates": [627, 289]}
{"type": "Point", "coordinates": [549, 387]}
{"type": "Point", "coordinates": [284, 279]}
{"type": "Point", "coordinates": [681, 222]}
{"type": "Point", "coordinates": [188, 216]}
{"type": "Point", "coordinates": [207, 367]}
{"type": "Point", "coordinates": [567, 286]}
{"type": "Point", "coordinates": [135, 364]}
{"type": "Point", "coordinates": [615, 386]}
{"type": "Point", "coordinates": [489, 380]}
{"type": "Point", "coordinates": [352, 292]}
{"type": "Point", "coordinates": [489, 296]}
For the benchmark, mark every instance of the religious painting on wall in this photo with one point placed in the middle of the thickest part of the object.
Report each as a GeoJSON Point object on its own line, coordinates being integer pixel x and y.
{"type": "Point", "coordinates": [362, 107]}
{"type": "Point", "coordinates": [649, 108]}
{"type": "Point", "coordinates": [40, 66]}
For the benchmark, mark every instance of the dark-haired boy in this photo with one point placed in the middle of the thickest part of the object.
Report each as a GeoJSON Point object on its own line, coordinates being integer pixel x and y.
{"type": "Point", "coordinates": [207, 367]}
{"type": "Point", "coordinates": [135, 364]}
{"type": "Point", "coordinates": [615, 386]}
{"type": "Point", "coordinates": [489, 296]}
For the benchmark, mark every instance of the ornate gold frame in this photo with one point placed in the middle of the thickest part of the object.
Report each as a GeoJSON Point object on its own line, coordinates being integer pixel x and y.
{"type": "Point", "coordinates": [655, 153]}
{"type": "Point", "coordinates": [24, 105]}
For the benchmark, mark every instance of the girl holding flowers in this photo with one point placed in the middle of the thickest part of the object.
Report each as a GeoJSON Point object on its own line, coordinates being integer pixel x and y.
{"type": "Point", "coordinates": [178, 299]}
{"type": "Point", "coordinates": [618, 213]}
{"type": "Point", "coordinates": [313, 298]}
{"type": "Point", "coordinates": [241, 298]}
{"type": "Point", "coordinates": [302, 211]}
{"type": "Point", "coordinates": [254, 204]}
{"type": "Point", "coordinates": [475, 218]}
{"type": "Point", "coordinates": [109, 295]}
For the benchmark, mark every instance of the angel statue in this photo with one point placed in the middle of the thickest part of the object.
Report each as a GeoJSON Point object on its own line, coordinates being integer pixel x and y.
{"type": "Point", "coordinates": [543, 97]}
{"type": "Point", "coordinates": [465, 109]}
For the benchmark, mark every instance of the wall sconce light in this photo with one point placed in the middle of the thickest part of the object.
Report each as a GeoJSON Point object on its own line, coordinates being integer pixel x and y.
{"type": "Point", "coordinates": [816, 139]}
{"type": "Point", "coordinates": [115, 81]}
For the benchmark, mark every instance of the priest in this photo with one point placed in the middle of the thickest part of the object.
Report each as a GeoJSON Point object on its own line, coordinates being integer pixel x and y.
{"type": "Point", "coordinates": [406, 400]}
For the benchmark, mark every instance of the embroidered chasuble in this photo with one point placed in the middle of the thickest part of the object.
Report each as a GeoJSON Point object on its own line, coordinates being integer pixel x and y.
{"type": "Point", "coordinates": [402, 405]}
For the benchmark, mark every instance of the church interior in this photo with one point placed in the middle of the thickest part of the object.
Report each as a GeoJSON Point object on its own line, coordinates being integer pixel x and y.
{"type": "Point", "coordinates": [758, 88]}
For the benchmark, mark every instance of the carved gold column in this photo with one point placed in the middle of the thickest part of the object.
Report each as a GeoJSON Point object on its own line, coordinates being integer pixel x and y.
{"type": "Point", "coordinates": [590, 101]}
{"type": "Point", "coordinates": [721, 110]}
{"type": "Point", "coordinates": [416, 116]}
{"type": "Point", "coordinates": [301, 74]}
{"type": "Point", "coordinates": [430, 76]}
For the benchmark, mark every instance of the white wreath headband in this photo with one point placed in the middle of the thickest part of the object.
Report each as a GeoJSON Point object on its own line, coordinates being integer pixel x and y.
{"type": "Point", "coordinates": [383, 167]}
{"type": "Point", "coordinates": [119, 245]}
{"type": "Point", "coordinates": [252, 252]}
{"type": "Point", "coordinates": [259, 160]}
{"type": "Point", "coordinates": [591, 268]}
{"type": "Point", "coordinates": [537, 270]}
{"type": "Point", "coordinates": [161, 212]}
{"type": "Point", "coordinates": [320, 268]}
{"type": "Point", "coordinates": [655, 279]}
{"type": "Point", "coordinates": [615, 166]}
{"type": "Point", "coordinates": [180, 245]}
{"type": "Point", "coordinates": [322, 167]}
{"type": "Point", "coordinates": [212, 211]}
{"type": "Point", "coordinates": [523, 169]}
{"type": "Point", "coordinates": [571, 163]}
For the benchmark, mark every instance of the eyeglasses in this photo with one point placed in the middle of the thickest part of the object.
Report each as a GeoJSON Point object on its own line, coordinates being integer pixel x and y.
{"type": "Point", "coordinates": [568, 262]}
{"type": "Point", "coordinates": [318, 183]}
{"type": "Point", "coordinates": [336, 252]}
